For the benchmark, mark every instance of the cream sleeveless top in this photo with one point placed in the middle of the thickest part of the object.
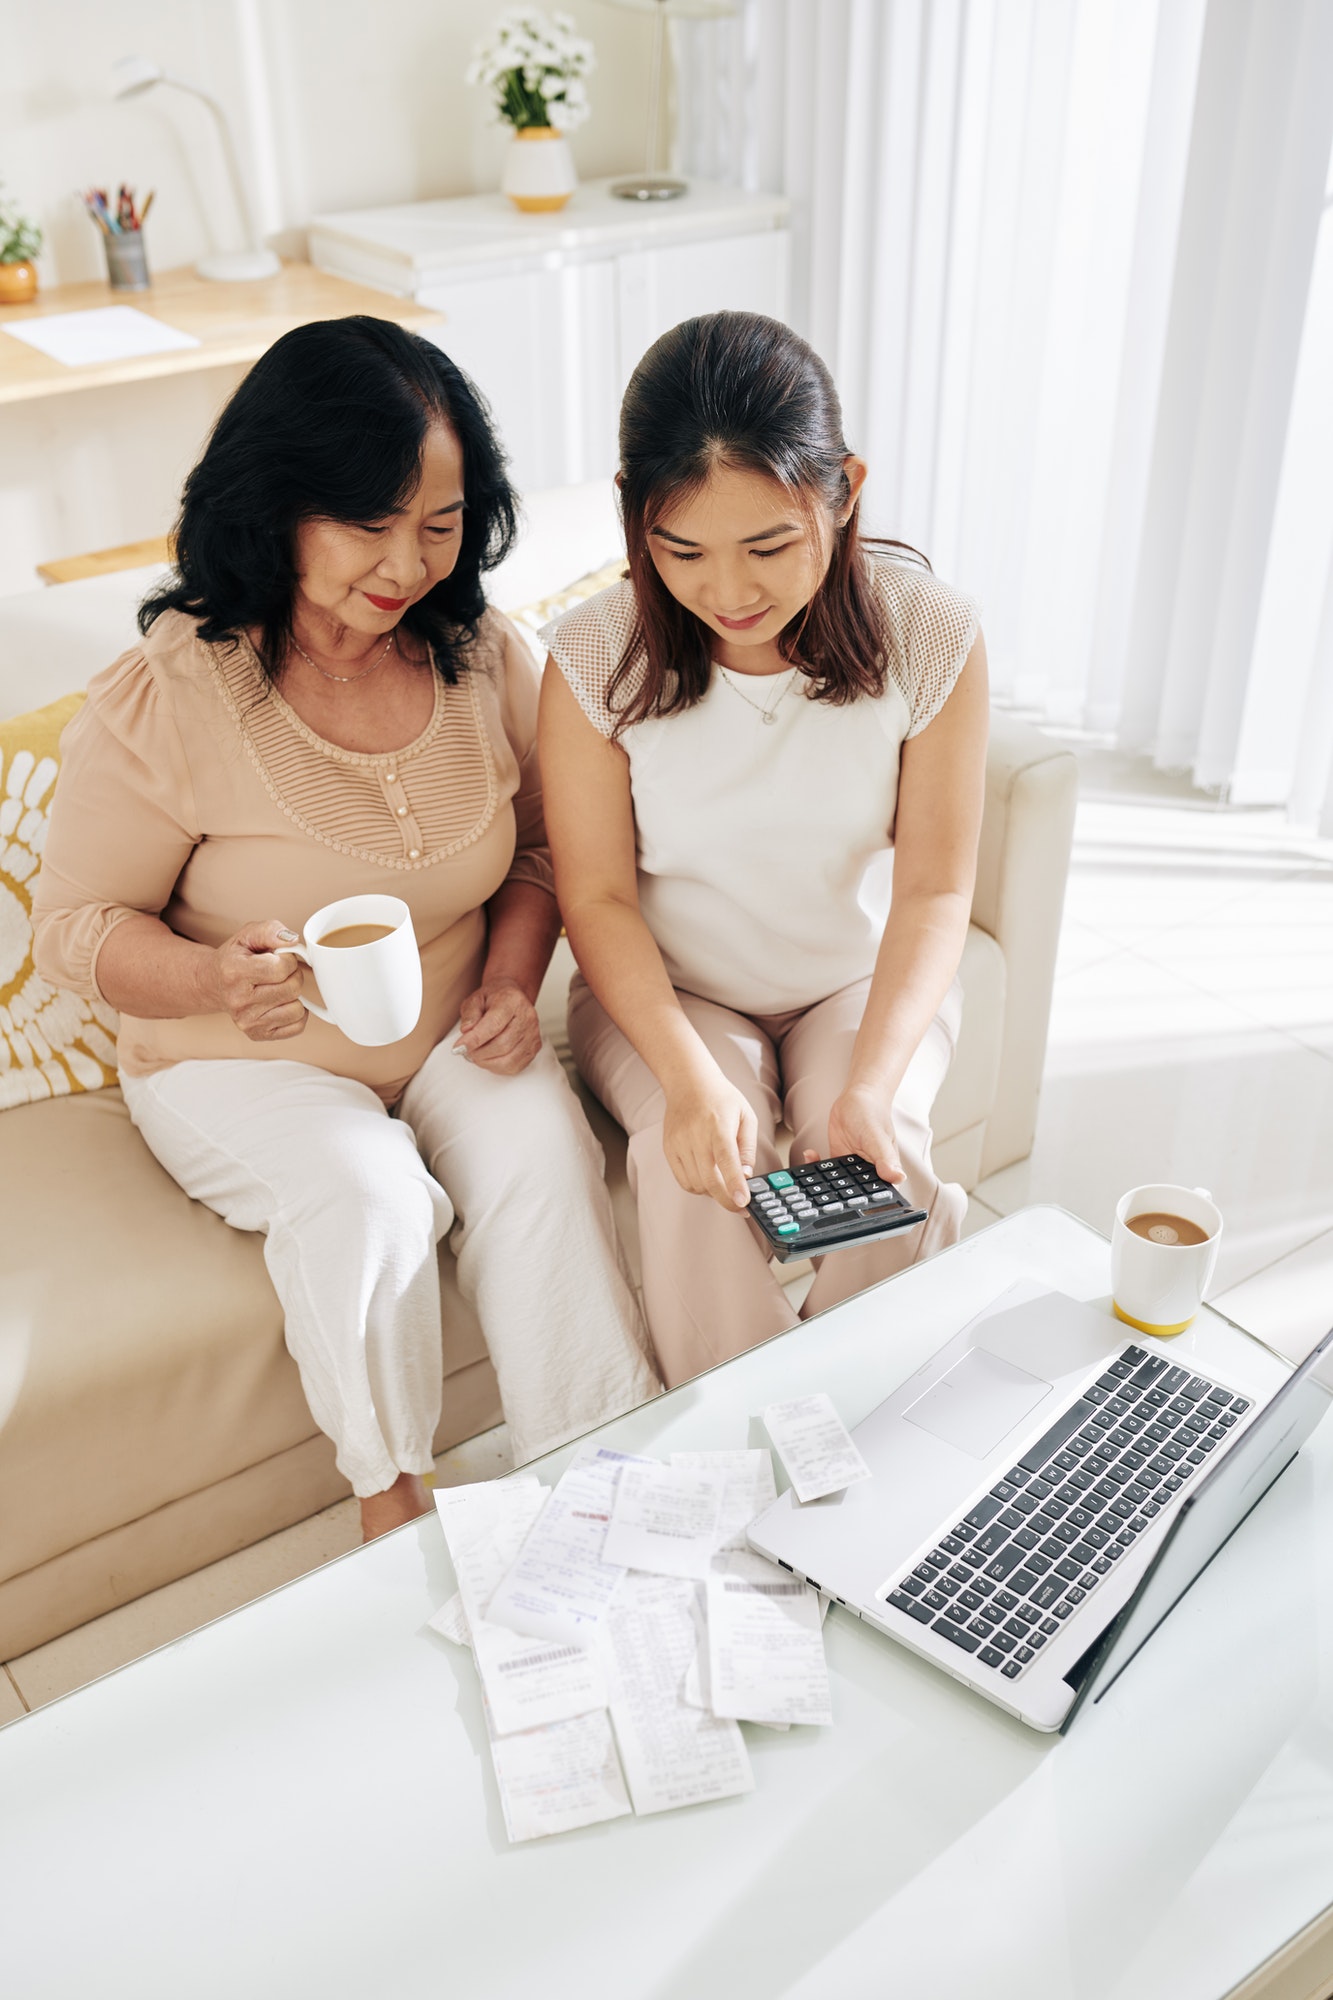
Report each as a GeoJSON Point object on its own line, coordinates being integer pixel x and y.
{"type": "Point", "coordinates": [764, 819]}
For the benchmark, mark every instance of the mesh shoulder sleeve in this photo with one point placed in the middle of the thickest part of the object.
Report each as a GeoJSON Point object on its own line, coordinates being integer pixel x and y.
{"type": "Point", "coordinates": [930, 629]}
{"type": "Point", "coordinates": [588, 644]}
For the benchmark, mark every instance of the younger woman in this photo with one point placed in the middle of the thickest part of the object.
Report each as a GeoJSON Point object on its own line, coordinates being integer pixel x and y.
{"type": "Point", "coordinates": [763, 756]}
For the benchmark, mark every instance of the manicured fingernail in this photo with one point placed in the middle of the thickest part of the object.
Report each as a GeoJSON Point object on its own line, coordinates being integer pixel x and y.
{"type": "Point", "coordinates": [288, 936]}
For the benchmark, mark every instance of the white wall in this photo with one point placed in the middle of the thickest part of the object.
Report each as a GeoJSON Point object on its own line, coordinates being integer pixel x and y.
{"type": "Point", "coordinates": [334, 104]}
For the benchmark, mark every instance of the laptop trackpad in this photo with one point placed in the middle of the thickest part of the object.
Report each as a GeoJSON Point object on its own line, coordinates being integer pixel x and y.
{"type": "Point", "coordinates": [980, 1399]}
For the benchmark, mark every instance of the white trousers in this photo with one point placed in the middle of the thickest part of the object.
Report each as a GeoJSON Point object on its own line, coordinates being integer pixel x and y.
{"type": "Point", "coordinates": [352, 1203]}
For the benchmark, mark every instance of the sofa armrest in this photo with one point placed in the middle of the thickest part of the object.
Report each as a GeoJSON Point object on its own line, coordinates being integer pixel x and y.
{"type": "Point", "coordinates": [1027, 832]}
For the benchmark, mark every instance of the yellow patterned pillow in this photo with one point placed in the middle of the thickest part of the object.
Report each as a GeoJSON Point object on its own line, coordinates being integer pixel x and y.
{"type": "Point", "coordinates": [543, 609]}
{"type": "Point", "coordinates": [51, 1042]}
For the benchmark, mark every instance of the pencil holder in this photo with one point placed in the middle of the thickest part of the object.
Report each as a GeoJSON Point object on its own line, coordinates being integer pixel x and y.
{"type": "Point", "coordinates": [127, 262]}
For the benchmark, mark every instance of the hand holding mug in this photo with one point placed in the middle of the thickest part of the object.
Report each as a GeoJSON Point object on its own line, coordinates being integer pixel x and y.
{"type": "Point", "coordinates": [254, 980]}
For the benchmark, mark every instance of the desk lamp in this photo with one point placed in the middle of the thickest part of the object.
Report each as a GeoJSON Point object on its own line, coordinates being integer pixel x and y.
{"type": "Point", "coordinates": [652, 185]}
{"type": "Point", "coordinates": [134, 75]}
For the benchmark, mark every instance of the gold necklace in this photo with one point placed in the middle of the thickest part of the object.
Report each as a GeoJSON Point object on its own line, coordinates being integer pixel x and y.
{"type": "Point", "coordinates": [344, 679]}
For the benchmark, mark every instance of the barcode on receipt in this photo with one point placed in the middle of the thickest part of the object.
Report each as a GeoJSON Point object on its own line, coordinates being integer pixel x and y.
{"type": "Point", "coordinates": [541, 1659]}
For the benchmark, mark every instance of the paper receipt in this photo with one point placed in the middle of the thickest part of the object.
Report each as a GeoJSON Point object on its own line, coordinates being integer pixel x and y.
{"type": "Point", "coordinates": [664, 1519]}
{"type": "Point", "coordinates": [527, 1681]}
{"type": "Point", "coordinates": [765, 1647]}
{"type": "Point", "coordinates": [814, 1445]}
{"type": "Point", "coordinates": [559, 1587]}
{"type": "Point", "coordinates": [673, 1754]}
{"type": "Point", "coordinates": [552, 1780]}
{"type": "Point", "coordinates": [749, 1488]}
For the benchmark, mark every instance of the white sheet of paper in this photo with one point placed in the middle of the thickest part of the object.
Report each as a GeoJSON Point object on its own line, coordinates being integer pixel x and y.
{"type": "Point", "coordinates": [814, 1445]}
{"type": "Point", "coordinates": [749, 1488]}
{"type": "Point", "coordinates": [450, 1621]}
{"type": "Point", "coordinates": [105, 333]}
{"type": "Point", "coordinates": [673, 1754]}
{"type": "Point", "coordinates": [558, 1586]}
{"type": "Point", "coordinates": [765, 1646]}
{"type": "Point", "coordinates": [554, 1779]}
{"type": "Point", "coordinates": [664, 1519]}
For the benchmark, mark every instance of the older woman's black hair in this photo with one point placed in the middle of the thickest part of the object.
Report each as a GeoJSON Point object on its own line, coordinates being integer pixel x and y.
{"type": "Point", "coordinates": [739, 390]}
{"type": "Point", "coordinates": [329, 425]}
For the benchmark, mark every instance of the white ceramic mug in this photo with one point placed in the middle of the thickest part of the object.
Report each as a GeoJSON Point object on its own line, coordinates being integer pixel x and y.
{"type": "Point", "coordinates": [372, 992]}
{"type": "Point", "coordinates": [1159, 1287]}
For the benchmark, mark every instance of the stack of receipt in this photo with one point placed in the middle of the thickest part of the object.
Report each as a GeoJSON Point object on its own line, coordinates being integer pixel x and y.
{"type": "Point", "coordinates": [622, 1631]}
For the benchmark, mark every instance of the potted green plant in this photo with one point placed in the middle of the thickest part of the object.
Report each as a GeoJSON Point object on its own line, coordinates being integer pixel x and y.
{"type": "Point", "coordinates": [534, 69]}
{"type": "Point", "coordinates": [20, 242]}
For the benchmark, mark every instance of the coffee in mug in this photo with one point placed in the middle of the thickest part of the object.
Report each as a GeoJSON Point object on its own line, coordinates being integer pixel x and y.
{"type": "Point", "coordinates": [1158, 1228]}
{"type": "Point", "coordinates": [349, 934]}
{"type": "Point", "coordinates": [1164, 1244]}
{"type": "Point", "coordinates": [363, 951]}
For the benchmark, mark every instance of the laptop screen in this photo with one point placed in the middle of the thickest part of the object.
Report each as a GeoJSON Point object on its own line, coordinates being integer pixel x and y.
{"type": "Point", "coordinates": [1210, 1516]}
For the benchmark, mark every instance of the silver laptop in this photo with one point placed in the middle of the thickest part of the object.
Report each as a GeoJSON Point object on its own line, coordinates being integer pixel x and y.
{"type": "Point", "coordinates": [1042, 1494]}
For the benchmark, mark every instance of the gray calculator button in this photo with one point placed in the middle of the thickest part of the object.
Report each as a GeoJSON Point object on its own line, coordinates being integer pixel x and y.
{"type": "Point", "coordinates": [757, 1187]}
{"type": "Point", "coordinates": [857, 1200]}
{"type": "Point", "coordinates": [833, 1207]}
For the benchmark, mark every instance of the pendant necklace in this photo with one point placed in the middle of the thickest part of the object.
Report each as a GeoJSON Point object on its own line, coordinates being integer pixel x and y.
{"type": "Point", "coordinates": [344, 680]}
{"type": "Point", "coordinates": [768, 712]}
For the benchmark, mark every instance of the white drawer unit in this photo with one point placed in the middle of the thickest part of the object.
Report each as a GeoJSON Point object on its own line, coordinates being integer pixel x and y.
{"type": "Point", "coordinates": [549, 313]}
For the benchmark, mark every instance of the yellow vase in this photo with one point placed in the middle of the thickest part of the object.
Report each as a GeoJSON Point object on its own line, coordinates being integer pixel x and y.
{"type": "Point", "coordinates": [18, 284]}
{"type": "Point", "coordinates": [538, 171]}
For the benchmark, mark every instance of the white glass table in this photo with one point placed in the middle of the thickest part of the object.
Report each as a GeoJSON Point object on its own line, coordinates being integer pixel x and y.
{"type": "Point", "coordinates": [297, 1800]}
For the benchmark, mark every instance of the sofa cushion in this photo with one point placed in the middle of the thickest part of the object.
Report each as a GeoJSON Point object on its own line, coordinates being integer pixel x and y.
{"type": "Point", "coordinates": [141, 1344]}
{"type": "Point", "coordinates": [51, 1042]}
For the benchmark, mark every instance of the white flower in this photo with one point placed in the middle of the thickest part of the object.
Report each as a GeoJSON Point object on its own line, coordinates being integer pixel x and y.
{"type": "Point", "coordinates": [535, 61]}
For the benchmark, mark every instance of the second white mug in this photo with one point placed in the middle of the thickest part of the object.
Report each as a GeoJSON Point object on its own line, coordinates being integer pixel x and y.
{"type": "Point", "coordinates": [371, 991]}
{"type": "Point", "coordinates": [1158, 1287]}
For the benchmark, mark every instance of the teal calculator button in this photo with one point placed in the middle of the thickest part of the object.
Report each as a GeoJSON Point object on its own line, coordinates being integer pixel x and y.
{"type": "Point", "coordinates": [789, 1229]}
{"type": "Point", "coordinates": [781, 1180]}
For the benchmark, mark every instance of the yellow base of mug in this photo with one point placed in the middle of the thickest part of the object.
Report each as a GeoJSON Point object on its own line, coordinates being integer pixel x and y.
{"type": "Point", "coordinates": [1146, 1326]}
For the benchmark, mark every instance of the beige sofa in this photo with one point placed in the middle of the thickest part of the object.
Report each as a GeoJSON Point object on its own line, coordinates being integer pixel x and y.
{"type": "Point", "coordinates": [151, 1420]}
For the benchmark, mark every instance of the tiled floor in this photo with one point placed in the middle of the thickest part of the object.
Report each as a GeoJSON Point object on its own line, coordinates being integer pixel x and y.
{"type": "Point", "coordinates": [1191, 1041]}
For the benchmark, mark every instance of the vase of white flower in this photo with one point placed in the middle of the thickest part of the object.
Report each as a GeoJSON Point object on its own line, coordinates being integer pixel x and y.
{"type": "Point", "coordinates": [534, 69]}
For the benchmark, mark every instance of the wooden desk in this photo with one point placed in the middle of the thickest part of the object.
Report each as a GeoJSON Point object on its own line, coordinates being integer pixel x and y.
{"type": "Point", "coordinates": [232, 323]}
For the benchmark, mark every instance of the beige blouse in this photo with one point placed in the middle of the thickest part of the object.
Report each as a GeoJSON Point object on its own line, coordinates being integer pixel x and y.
{"type": "Point", "coordinates": [190, 790]}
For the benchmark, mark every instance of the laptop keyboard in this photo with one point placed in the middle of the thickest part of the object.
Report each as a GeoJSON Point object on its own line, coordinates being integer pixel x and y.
{"type": "Point", "coordinates": [1002, 1581]}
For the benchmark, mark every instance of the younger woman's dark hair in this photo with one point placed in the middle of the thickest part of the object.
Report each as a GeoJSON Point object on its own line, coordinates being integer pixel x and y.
{"type": "Point", "coordinates": [737, 389]}
{"type": "Point", "coordinates": [329, 424]}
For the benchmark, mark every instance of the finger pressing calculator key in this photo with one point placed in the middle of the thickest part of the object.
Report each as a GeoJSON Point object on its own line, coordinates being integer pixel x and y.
{"type": "Point", "coordinates": [828, 1206]}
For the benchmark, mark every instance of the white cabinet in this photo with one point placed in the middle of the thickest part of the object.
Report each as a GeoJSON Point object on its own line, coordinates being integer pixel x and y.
{"type": "Point", "coordinates": [550, 313]}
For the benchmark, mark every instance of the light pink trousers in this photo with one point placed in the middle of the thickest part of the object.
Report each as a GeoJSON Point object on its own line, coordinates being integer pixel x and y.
{"type": "Point", "coordinates": [709, 1290]}
{"type": "Point", "coordinates": [351, 1203]}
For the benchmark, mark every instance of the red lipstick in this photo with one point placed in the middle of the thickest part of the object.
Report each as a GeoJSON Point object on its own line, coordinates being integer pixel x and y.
{"type": "Point", "coordinates": [384, 603]}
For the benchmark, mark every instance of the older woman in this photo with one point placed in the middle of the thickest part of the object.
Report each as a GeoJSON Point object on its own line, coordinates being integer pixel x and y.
{"type": "Point", "coordinates": [322, 706]}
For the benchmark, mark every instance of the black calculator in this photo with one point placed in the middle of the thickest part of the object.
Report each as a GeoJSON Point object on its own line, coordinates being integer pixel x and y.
{"type": "Point", "coordinates": [826, 1206]}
